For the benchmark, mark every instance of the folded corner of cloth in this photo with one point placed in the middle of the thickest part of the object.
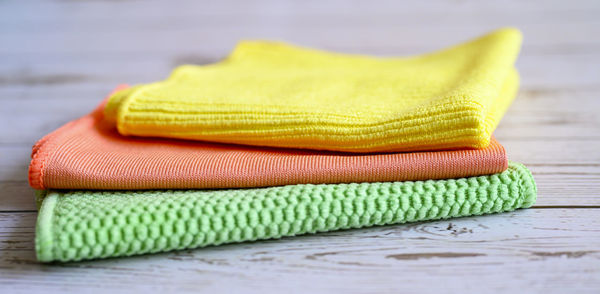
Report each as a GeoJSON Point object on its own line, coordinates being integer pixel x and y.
{"type": "Point", "coordinates": [79, 225]}
{"type": "Point", "coordinates": [279, 95]}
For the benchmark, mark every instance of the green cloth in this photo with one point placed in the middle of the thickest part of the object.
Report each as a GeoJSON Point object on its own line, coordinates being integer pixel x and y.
{"type": "Point", "coordinates": [78, 225]}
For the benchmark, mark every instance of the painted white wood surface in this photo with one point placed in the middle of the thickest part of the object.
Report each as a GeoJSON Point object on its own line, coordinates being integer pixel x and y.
{"type": "Point", "coordinates": [59, 58]}
{"type": "Point", "coordinates": [538, 250]}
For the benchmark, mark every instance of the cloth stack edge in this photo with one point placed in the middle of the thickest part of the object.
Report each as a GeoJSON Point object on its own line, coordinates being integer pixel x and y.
{"type": "Point", "coordinates": [76, 225]}
{"type": "Point", "coordinates": [251, 149]}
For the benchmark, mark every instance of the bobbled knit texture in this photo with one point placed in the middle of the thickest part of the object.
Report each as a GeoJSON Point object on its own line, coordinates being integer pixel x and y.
{"type": "Point", "coordinates": [81, 225]}
{"type": "Point", "coordinates": [273, 94]}
{"type": "Point", "coordinates": [88, 153]}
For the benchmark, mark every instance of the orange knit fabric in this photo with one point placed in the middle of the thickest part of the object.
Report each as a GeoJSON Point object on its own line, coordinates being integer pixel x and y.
{"type": "Point", "coordinates": [88, 153]}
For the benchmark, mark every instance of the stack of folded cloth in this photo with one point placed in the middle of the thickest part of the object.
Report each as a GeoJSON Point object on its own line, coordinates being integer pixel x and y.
{"type": "Point", "coordinates": [279, 141]}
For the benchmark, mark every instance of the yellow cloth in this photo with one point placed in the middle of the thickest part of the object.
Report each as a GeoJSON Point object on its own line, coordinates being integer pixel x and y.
{"type": "Point", "coordinates": [274, 94]}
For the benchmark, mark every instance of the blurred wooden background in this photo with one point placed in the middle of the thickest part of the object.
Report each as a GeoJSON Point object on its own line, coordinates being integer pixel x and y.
{"type": "Point", "coordinates": [58, 59]}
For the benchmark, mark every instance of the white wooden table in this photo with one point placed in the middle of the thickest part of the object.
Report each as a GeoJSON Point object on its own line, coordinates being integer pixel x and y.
{"type": "Point", "coordinates": [58, 60]}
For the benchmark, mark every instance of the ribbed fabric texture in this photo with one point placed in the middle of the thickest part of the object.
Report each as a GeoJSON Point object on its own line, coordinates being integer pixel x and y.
{"type": "Point", "coordinates": [79, 225]}
{"type": "Point", "coordinates": [89, 154]}
{"type": "Point", "coordinates": [273, 94]}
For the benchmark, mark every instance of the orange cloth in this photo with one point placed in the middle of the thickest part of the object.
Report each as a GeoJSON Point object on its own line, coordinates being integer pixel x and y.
{"type": "Point", "coordinates": [88, 153]}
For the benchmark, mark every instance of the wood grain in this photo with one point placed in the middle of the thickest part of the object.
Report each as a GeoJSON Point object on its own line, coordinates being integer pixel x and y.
{"type": "Point", "coordinates": [59, 58]}
{"type": "Point", "coordinates": [539, 250]}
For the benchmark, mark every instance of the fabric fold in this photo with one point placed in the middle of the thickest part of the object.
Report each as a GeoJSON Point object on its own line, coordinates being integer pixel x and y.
{"type": "Point", "coordinates": [276, 141]}
{"type": "Point", "coordinates": [89, 153]}
{"type": "Point", "coordinates": [79, 225]}
{"type": "Point", "coordinates": [279, 95]}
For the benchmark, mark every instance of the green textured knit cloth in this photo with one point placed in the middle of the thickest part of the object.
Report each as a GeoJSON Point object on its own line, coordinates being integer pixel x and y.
{"type": "Point", "coordinates": [78, 225]}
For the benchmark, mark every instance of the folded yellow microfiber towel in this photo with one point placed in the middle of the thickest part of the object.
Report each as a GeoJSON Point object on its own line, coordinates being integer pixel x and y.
{"type": "Point", "coordinates": [274, 94]}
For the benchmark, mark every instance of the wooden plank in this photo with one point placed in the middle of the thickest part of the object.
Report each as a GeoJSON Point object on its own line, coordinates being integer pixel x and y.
{"type": "Point", "coordinates": [555, 189]}
{"type": "Point", "coordinates": [402, 22]}
{"type": "Point", "coordinates": [540, 73]}
{"type": "Point", "coordinates": [551, 115]}
{"type": "Point", "coordinates": [16, 196]}
{"type": "Point", "coordinates": [563, 176]}
{"type": "Point", "coordinates": [535, 114]}
{"type": "Point", "coordinates": [540, 114]}
{"type": "Point", "coordinates": [529, 151]}
{"type": "Point", "coordinates": [533, 251]}
{"type": "Point", "coordinates": [343, 25]}
{"type": "Point", "coordinates": [104, 10]}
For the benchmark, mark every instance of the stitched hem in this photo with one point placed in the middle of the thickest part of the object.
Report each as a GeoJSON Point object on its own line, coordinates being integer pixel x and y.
{"type": "Point", "coordinates": [44, 241]}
